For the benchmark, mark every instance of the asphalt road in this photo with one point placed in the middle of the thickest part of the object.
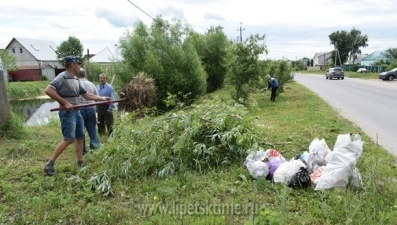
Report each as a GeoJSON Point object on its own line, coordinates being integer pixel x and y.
{"type": "Point", "coordinates": [370, 104]}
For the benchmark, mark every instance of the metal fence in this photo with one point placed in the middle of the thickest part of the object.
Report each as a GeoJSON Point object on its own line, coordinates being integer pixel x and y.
{"type": "Point", "coordinates": [370, 69]}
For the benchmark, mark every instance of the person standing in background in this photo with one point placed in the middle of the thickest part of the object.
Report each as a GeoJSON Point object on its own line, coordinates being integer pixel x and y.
{"type": "Point", "coordinates": [273, 84]}
{"type": "Point", "coordinates": [88, 113]}
{"type": "Point", "coordinates": [105, 112]}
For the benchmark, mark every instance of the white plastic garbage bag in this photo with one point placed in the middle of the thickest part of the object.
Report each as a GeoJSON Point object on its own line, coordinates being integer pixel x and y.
{"type": "Point", "coordinates": [254, 156]}
{"type": "Point", "coordinates": [342, 140]}
{"type": "Point", "coordinates": [261, 163]}
{"type": "Point", "coordinates": [287, 170]}
{"type": "Point", "coordinates": [318, 150]}
{"type": "Point", "coordinates": [337, 171]}
{"type": "Point", "coordinates": [258, 169]}
{"type": "Point", "coordinates": [319, 147]}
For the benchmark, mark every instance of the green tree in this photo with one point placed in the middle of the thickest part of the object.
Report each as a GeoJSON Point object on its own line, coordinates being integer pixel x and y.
{"type": "Point", "coordinates": [212, 50]}
{"type": "Point", "coordinates": [347, 44]}
{"type": "Point", "coordinates": [162, 52]}
{"type": "Point", "coordinates": [392, 65]}
{"type": "Point", "coordinates": [357, 41]}
{"type": "Point", "coordinates": [245, 65]}
{"type": "Point", "coordinates": [391, 54]}
{"type": "Point", "coordinates": [9, 62]}
{"type": "Point", "coordinates": [93, 70]}
{"type": "Point", "coordinates": [279, 69]}
{"type": "Point", "coordinates": [72, 46]}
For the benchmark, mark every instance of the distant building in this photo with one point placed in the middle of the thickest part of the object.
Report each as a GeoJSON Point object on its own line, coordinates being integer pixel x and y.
{"type": "Point", "coordinates": [372, 58]}
{"type": "Point", "coordinates": [34, 58]}
{"type": "Point", "coordinates": [356, 59]}
{"type": "Point", "coordinates": [322, 58]}
{"type": "Point", "coordinates": [104, 57]}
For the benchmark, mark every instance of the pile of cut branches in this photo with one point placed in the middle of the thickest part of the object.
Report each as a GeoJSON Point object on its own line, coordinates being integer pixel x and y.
{"type": "Point", "coordinates": [139, 92]}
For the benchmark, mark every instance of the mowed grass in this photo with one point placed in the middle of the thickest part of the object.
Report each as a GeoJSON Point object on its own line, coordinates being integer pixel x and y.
{"type": "Point", "coordinates": [219, 196]}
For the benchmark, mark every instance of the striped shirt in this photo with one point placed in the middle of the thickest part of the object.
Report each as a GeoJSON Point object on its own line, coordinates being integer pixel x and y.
{"type": "Point", "coordinates": [68, 87]}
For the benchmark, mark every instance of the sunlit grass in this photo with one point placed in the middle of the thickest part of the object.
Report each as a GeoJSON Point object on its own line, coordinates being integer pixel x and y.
{"type": "Point", "coordinates": [28, 89]}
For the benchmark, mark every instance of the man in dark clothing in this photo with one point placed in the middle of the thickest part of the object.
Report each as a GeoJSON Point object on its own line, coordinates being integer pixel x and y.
{"type": "Point", "coordinates": [105, 112]}
{"type": "Point", "coordinates": [273, 84]}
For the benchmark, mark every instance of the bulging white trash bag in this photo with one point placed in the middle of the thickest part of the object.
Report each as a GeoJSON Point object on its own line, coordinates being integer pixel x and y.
{"type": "Point", "coordinates": [344, 157]}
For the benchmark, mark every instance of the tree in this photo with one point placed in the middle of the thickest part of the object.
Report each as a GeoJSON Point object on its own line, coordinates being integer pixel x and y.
{"type": "Point", "coordinates": [347, 44]}
{"type": "Point", "coordinates": [212, 50]}
{"type": "Point", "coordinates": [163, 52]}
{"type": "Point", "coordinates": [391, 54]}
{"type": "Point", "coordinates": [279, 69]}
{"type": "Point", "coordinates": [72, 46]}
{"type": "Point", "coordinates": [244, 65]}
{"type": "Point", "coordinates": [9, 62]}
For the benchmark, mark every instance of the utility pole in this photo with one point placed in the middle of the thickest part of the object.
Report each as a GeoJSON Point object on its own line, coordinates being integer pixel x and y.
{"type": "Point", "coordinates": [241, 32]}
{"type": "Point", "coordinates": [336, 52]}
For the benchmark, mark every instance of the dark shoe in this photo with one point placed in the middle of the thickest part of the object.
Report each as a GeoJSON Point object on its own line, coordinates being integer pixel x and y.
{"type": "Point", "coordinates": [81, 164]}
{"type": "Point", "coordinates": [49, 170]}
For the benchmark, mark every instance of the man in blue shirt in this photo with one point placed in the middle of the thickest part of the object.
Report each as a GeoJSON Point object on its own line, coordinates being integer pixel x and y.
{"type": "Point", "coordinates": [273, 84]}
{"type": "Point", "coordinates": [105, 111]}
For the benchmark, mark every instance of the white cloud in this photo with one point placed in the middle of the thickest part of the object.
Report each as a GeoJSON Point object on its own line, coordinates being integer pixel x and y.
{"type": "Point", "coordinates": [294, 29]}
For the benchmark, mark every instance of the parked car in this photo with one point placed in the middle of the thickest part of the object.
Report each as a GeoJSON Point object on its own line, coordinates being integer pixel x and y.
{"type": "Point", "coordinates": [335, 72]}
{"type": "Point", "coordinates": [362, 70]}
{"type": "Point", "coordinates": [389, 75]}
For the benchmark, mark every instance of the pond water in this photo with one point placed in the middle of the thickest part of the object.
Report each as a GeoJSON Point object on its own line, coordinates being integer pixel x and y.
{"type": "Point", "coordinates": [35, 111]}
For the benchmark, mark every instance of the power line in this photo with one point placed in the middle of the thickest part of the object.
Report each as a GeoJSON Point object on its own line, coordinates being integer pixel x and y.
{"type": "Point", "coordinates": [142, 10]}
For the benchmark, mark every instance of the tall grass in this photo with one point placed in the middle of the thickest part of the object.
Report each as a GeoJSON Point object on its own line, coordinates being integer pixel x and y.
{"type": "Point", "coordinates": [30, 89]}
{"type": "Point", "coordinates": [13, 128]}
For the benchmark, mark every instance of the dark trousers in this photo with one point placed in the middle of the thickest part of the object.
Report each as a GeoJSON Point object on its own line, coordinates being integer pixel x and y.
{"type": "Point", "coordinates": [105, 120]}
{"type": "Point", "coordinates": [273, 95]}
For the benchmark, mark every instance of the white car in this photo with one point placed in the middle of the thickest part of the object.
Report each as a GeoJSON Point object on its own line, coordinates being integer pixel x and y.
{"type": "Point", "coordinates": [362, 70]}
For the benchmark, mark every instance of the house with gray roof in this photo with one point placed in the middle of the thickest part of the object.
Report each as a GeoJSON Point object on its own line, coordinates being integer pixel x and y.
{"type": "Point", "coordinates": [32, 56]}
{"type": "Point", "coordinates": [321, 58]}
{"type": "Point", "coordinates": [356, 58]}
{"type": "Point", "coordinates": [104, 57]}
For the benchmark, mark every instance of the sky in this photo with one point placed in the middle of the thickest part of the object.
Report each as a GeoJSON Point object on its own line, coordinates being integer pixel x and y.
{"type": "Point", "coordinates": [293, 29]}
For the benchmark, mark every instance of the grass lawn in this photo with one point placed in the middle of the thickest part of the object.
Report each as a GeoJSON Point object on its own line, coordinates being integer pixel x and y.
{"type": "Point", "coordinates": [224, 194]}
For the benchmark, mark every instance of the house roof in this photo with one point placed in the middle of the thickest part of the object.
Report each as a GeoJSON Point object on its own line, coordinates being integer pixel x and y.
{"type": "Point", "coordinates": [41, 49]}
{"type": "Point", "coordinates": [360, 57]}
{"type": "Point", "coordinates": [104, 56]}
{"type": "Point", "coordinates": [321, 54]}
{"type": "Point", "coordinates": [374, 56]}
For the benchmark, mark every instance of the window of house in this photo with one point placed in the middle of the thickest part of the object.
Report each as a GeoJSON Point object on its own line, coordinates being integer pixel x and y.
{"type": "Point", "coordinates": [13, 50]}
{"type": "Point", "coordinates": [20, 50]}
